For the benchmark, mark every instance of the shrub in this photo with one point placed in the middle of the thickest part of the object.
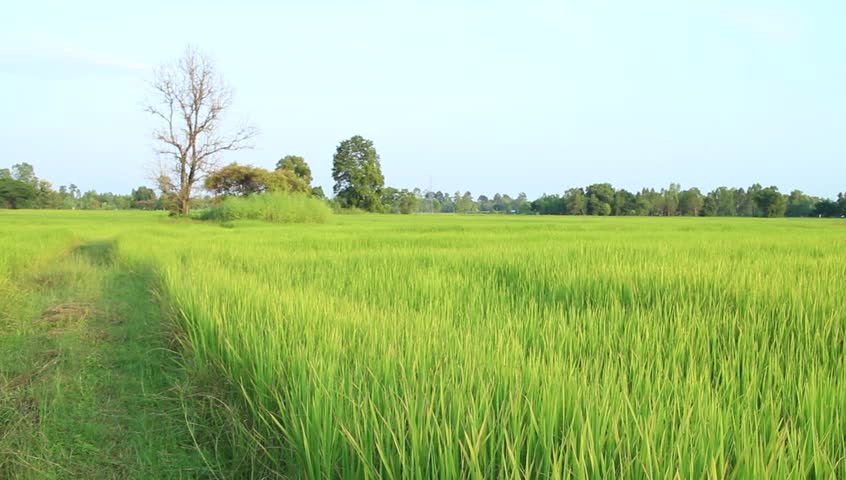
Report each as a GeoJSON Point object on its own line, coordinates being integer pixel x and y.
{"type": "Point", "coordinates": [270, 207]}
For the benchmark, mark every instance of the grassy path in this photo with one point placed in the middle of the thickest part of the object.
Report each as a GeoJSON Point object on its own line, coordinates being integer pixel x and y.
{"type": "Point", "coordinates": [87, 378]}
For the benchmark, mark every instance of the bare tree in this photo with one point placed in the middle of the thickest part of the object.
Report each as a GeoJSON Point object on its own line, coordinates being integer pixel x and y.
{"type": "Point", "coordinates": [190, 99]}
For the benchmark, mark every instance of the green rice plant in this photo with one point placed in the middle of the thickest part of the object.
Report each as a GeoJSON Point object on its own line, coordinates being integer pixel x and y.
{"type": "Point", "coordinates": [516, 347]}
{"type": "Point", "coordinates": [437, 347]}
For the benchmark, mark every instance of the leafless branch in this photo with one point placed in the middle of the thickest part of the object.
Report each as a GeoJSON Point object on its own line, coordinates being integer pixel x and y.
{"type": "Point", "coordinates": [192, 100]}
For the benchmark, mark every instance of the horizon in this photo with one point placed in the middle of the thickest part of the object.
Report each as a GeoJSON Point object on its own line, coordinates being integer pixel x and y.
{"type": "Point", "coordinates": [536, 97]}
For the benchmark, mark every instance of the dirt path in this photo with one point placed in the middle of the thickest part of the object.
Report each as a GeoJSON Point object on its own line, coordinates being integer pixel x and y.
{"type": "Point", "coordinates": [88, 380]}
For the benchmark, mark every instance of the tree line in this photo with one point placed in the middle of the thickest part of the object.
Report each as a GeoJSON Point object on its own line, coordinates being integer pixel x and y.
{"type": "Point", "coordinates": [21, 188]}
{"type": "Point", "coordinates": [360, 185]}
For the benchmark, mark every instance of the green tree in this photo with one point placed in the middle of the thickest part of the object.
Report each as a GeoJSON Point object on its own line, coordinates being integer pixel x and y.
{"type": "Point", "coordinates": [548, 205]}
{"type": "Point", "coordinates": [143, 198]}
{"type": "Point", "coordinates": [503, 203]}
{"type": "Point", "coordinates": [16, 194]}
{"type": "Point", "coordinates": [671, 199]}
{"type": "Point", "coordinates": [465, 204]}
{"type": "Point", "coordinates": [574, 199]}
{"type": "Point", "coordinates": [826, 208]}
{"type": "Point", "coordinates": [242, 180]}
{"type": "Point", "coordinates": [297, 165]}
{"type": "Point", "coordinates": [625, 203]}
{"type": "Point", "coordinates": [747, 205]}
{"type": "Point", "coordinates": [235, 179]}
{"type": "Point", "coordinates": [799, 204]}
{"type": "Point", "coordinates": [24, 172]}
{"type": "Point", "coordinates": [709, 206]}
{"type": "Point", "coordinates": [600, 196]}
{"type": "Point", "coordinates": [90, 201]}
{"type": "Point", "coordinates": [770, 202]}
{"type": "Point", "coordinates": [399, 201]}
{"type": "Point", "coordinates": [357, 174]}
{"type": "Point", "coordinates": [691, 202]}
{"type": "Point", "coordinates": [725, 204]}
{"type": "Point", "coordinates": [521, 204]}
{"type": "Point", "coordinates": [285, 181]}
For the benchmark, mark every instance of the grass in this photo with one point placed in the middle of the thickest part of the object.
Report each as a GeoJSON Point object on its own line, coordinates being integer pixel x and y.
{"type": "Point", "coordinates": [270, 207]}
{"type": "Point", "coordinates": [87, 383]}
{"type": "Point", "coordinates": [519, 347]}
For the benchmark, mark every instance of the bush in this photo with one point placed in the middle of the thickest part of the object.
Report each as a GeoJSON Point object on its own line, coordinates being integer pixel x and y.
{"type": "Point", "coordinates": [270, 207]}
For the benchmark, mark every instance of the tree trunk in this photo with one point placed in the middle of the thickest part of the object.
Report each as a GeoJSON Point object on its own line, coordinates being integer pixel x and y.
{"type": "Point", "coordinates": [184, 203]}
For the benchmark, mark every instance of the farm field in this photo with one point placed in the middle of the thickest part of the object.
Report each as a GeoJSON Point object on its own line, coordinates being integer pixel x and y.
{"type": "Point", "coordinates": [429, 346]}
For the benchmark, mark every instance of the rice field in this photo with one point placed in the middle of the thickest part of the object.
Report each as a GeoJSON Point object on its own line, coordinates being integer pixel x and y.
{"type": "Point", "coordinates": [503, 347]}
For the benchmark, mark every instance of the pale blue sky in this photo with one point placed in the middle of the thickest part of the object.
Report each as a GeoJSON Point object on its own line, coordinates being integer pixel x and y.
{"type": "Point", "coordinates": [485, 96]}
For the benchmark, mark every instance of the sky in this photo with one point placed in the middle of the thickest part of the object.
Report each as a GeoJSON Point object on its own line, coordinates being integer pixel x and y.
{"type": "Point", "coordinates": [531, 96]}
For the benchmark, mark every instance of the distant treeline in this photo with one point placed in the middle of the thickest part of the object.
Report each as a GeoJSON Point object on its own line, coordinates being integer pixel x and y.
{"type": "Point", "coordinates": [21, 188]}
{"type": "Point", "coordinates": [604, 199]}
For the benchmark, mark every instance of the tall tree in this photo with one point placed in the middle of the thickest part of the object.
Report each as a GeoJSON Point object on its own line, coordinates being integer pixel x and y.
{"type": "Point", "coordinates": [671, 199]}
{"type": "Point", "coordinates": [574, 199]}
{"type": "Point", "coordinates": [748, 203]}
{"type": "Point", "coordinates": [600, 196]}
{"type": "Point", "coordinates": [190, 101]}
{"type": "Point", "coordinates": [24, 172]}
{"type": "Point", "coordinates": [624, 203]}
{"type": "Point", "coordinates": [15, 193]}
{"type": "Point", "coordinates": [143, 198]}
{"type": "Point", "coordinates": [770, 202]}
{"type": "Point", "coordinates": [464, 203]}
{"type": "Point", "coordinates": [725, 204]}
{"type": "Point", "coordinates": [691, 202]}
{"type": "Point", "coordinates": [709, 206]}
{"type": "Point", "coordinates": [799, 204]}
{"type": "Point", "coordinates": [358, 174]}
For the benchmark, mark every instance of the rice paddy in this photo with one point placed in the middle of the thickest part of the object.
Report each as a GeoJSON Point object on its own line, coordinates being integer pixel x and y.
{"type": "Point", "coordinates": [500, 347]}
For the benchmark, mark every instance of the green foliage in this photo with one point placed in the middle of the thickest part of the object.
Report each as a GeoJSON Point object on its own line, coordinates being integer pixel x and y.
{"type": "Point", "coordinates": [143, 198]}
{"type": "Point", "coordinates": [235, 179]}
{"type": "Point", "coordinates": [691, 202]}
{"type": "Point", "coordinates": [600, 196]}
{"type": "Point", "coordinates": [770, 202]}
{"type": "Point", "coordinates": [724, 201]}
{"type": "Point", "coordinates": [800, 205]}
{"type": "Point", "coordinates": [549, 205]}
{"type": "Point", "coordinates": [464, 203]}
{"type": "Point", "coordinates": [297, 165]}
{"type": "Point", "coordinates": [243, 180]}
{"type": "Point", "coordinates": [16, 194]}
{"type": "Point", "coordinates": [286, 181]}
{"type": "Point", "coordinates": [828, 208]}
{"type": "Point", "coordinates": [270, 207]}
{"type": "Point", "coordinates": [625, 203]}
{"type": "Point", "coordinates": [358, 174]}
{"type": "Point", "coordinates": [399, 201]}
{"type": "Point", "coordinates": [24, 172]}
{"type": "Point", "coordinates": [574, 198]}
